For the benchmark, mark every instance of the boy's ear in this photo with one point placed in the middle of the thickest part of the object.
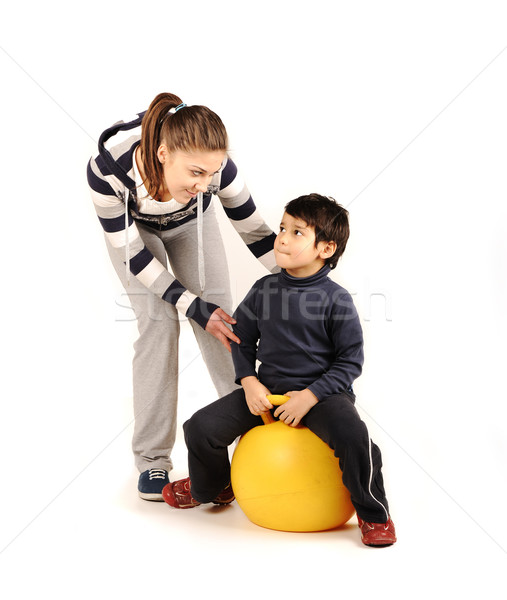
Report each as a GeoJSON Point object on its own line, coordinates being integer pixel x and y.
{"type": "Point", "coordinates": [327, 250]}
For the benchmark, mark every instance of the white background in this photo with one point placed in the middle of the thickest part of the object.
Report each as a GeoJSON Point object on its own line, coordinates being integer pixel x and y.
{"type": "Point", "coordinates": [397, 109]}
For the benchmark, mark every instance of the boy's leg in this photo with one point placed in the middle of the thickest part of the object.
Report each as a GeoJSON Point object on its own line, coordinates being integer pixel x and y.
{"type": "Point", "coordinates": [336, 421]}
{"type": "Point", "coordinates": [208, 434]}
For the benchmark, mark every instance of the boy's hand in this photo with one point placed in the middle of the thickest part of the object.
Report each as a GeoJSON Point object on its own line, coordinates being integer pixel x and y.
{"type": "Point", "coordinates": [256, 394]}
{"type": "Point", "coordinates": [299, 403]}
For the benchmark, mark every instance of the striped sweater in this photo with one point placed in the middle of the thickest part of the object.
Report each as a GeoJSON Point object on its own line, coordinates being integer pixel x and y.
{"type": "Point", "coordinates": [111, 179]}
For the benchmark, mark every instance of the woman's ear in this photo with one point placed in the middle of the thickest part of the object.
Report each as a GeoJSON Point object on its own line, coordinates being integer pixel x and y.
{"type": "Point", "coordinates": [328, 249]}
{"type": "Point", "coordinates": [162, 153]}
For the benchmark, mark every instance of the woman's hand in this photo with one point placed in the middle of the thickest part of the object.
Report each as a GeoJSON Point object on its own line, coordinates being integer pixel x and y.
{"type": "Point", "coordinates": [255, 393]}
{"type": "Point", "coordinates": [299, 403]}
{"type": "Point", "coordinates": [217, 327]}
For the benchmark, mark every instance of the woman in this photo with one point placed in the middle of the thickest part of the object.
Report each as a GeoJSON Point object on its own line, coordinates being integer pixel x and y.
{"type": "Point", "coordinates": [152, 186]}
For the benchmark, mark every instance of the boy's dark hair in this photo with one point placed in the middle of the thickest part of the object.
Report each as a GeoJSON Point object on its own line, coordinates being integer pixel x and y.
{"type": "Point", "coordinates": [327, 217]}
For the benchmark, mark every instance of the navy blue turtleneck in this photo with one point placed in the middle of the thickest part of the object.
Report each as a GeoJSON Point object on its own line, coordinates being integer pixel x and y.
{"type": "Point", "coordinates": [305, 332]}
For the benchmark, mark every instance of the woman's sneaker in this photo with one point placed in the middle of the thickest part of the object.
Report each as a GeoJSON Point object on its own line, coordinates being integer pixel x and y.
{"type": "Point", "coordinates": [179, 495]}
{"type": "Point", "coordinates": [151, 483]}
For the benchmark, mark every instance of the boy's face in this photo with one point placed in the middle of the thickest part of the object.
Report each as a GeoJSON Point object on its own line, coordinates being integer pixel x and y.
{"type": "Point", "coordinates": [295, 249]}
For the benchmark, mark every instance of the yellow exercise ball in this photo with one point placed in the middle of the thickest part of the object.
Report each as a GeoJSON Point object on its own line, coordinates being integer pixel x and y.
{"type": "Point", "coordinates": [287, 478]}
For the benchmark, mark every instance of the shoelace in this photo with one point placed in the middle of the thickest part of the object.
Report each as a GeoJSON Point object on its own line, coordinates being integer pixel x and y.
{"type": "Point", "coordinates": [371, 527]}
{"type": "Point", "coordinates": [157, 474]}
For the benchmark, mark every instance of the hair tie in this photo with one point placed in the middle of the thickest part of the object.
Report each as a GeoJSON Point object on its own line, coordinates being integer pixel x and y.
{"type": "Point", "coordinates": [176, 108]}
{"type": "Point", "coordinates": [171, 111]}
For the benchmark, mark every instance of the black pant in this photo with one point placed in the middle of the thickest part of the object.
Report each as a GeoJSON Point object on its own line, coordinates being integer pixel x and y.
{"type": "Point", "coordinates": [210, 431]}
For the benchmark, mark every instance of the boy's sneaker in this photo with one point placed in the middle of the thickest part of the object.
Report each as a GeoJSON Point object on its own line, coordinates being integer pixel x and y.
{"type": "Point", "coordinates": [377, 534]}
{"type": "Point", "coordinates": [151, 483]}
{"type": "Point", "coordinates": [178, 494]}
{"type": "Point", "coordinates": [226, 496]}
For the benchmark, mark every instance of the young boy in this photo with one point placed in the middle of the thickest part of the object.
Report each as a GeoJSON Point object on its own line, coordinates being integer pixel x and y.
{"type": "Point", "coordinates": [304, 331]}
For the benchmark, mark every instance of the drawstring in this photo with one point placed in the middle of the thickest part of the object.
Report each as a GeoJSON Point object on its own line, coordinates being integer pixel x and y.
{"type": "Point", "coordinates": [127, 243]}
{"type": "Point", "coordinates": [200, 248]}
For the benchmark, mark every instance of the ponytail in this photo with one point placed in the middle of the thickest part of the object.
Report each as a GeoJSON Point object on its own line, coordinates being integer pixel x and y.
{"type": "Point", "coordinates": [189, 129]}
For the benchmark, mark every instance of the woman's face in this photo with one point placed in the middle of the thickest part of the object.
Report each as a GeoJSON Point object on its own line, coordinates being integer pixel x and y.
{"type": "Point", "coordinates": [187, 173]}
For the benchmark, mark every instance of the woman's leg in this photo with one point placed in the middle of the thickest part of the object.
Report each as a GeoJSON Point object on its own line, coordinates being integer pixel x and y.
{"type": "Point", "coordinates": [208, 434]}
{"type": "Point", "coordinates": [155, 365]}
{"type": "Point", "coordinates": [336, 421]}
{"type": "Point", "coordinates": [181, 246]}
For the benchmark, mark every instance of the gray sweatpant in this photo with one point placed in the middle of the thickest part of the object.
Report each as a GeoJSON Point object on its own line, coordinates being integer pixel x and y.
{"type": "Point", "coordinates": [155, 363]}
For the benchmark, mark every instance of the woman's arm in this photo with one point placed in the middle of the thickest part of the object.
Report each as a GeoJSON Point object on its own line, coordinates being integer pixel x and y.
{"type": "Point", "coordinates": [108, 195]}
{"type": "Point", "coordinates": [245, 218]}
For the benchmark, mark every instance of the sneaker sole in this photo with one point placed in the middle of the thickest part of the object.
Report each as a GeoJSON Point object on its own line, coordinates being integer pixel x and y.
{"type": "Point", "coordinates": [151, 497]}
{"type": "Point", "coordinates": [224, 503]}
{"type": "Point", "coordinates": [383, 545]}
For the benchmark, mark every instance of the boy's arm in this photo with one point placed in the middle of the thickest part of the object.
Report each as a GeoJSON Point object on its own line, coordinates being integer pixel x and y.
{"type": "Point", "coordinates": [347, 337]}
{"type": "Point", "coordinates": [244, 355]}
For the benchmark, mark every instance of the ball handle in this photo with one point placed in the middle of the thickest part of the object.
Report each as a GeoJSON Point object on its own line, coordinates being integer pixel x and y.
{"type": "Point", "coordinates": [276, 400]}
